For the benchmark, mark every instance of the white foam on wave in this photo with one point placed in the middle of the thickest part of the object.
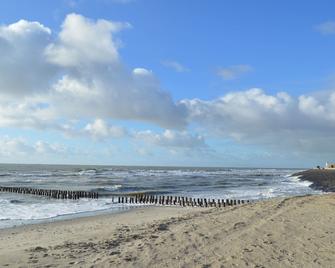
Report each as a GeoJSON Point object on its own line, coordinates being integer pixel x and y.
{"type": "Point", "coordinates": [113, 187]}
{"type": "Point", "coordinates": [281, 186]}
{"type": "Point", "coordinates": [297, 181]}
{"type": "Point", "coordinates": [13, 213]}
{"type": "Point", "coordinates": [87, 172]}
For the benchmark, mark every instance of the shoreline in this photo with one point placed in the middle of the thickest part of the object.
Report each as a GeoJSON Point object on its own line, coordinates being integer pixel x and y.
{"type": "Point", "coordinates": [74, 216]}
{"type": "Point", "coordinates": [294, 231]}
{"type": "Point", "coordinates": [82, 216]}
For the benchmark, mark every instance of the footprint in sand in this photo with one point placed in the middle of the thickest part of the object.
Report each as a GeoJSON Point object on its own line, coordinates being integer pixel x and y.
{"type": "Point", "coordinates": [239, 225]}
{"type": "Point", "coordinates": [162, 227]}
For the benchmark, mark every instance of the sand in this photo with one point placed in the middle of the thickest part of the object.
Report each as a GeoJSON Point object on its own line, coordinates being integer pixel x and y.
{"type": "Point", "coordinates": [291, 232]}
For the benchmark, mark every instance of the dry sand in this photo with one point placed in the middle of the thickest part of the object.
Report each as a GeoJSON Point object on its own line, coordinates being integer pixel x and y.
{"type": "Point", "coordinates": [292, 232]}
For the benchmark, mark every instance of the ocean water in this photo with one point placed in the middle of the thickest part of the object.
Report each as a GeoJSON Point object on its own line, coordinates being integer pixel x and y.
{"type": "Point", "coordinates": [234, 183]}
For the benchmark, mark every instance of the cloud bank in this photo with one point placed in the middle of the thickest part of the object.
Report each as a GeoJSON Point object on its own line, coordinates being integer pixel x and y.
{"type": "Point", "coordinates": [48, 81]}
{"type": "Point", "coordinates": [306, 123]}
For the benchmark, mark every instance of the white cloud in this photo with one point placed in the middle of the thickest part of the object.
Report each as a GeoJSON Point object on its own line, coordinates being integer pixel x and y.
{"type": "Point", "coordinates": [23, 68]}
{"type": "Point", "coordinates": [326, 28]}
{"type": "Point", "coordinates": [310, 106]}
{"type": "Point", "coordinates": [26, 113]}
{"type": "Point", "coordinates": [99, 129]}
{"type": "Point", "coordinates": [130, 97]}
{"type": "Point", "coordinates": [178, 67]}
{"type": "Point", "coordinates": [233, 72]}
{"type": "Point", "coordinates": [245, 110]}
{"type": "Point", "coordinates": [11, 147]}
{"type": "Point", "coordinates": [172, 139]}
{"type": "Point", "coordinates": [78, 75]}
{"type": "Point", "coordinates": [42, 147]}
{"type": "Point", "coordinates": [16, 146]}
{"type": "Point", "coordinates": [100, 86]}
{"type": "Point", "coordinates": [279, 121]}
{"type": "Point", "coordinates": [142, 72]}
{"type": "Point", "coordinates": [83, 41]}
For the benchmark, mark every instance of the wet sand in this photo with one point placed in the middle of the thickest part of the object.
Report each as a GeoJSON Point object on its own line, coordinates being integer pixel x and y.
{"type": "Point", "coordinates": [322, 179]}
{"type": "Point", "coordinates": [291, 232]}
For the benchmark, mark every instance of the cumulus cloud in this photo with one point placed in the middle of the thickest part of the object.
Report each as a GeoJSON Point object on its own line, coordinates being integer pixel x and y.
{"type": "Point", "coordinates": [326, 28]}
{"type": "Point", "coordinates": [42, 147]}
{"type": "Point", "coordinates": [99, 85]}
{"type": "Point", "coordinates": [78, 74]}
{"type": "Point", "coordinates": [279, 121]}
{"type": "Point", "coordinates": [26, 113]}
{"type": "Point", "coordinates": [15, 146]}
{"type": "Point", "coordinates": [172, 139]}
{"type": "Point", "coordinates": [175, 65]}
{"type": "Point", "coordinates": [99, 129]}
{"type": "Point", "coordinates": [311, 106]}
{"type": "Point", "coordinates": [135, 96]}
{"type": "Point", "coordinates": [83, 41]}
{"type": "Point", "coordinates": [245, 110]}
{"type": "Point", "coordinates": [23, 67]}
{"type": "Point", "coordinates": [233, 72]}
{"type": "Point", "coordinates": [11, 147]}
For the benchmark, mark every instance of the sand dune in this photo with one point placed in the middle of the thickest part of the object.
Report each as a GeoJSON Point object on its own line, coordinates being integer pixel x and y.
{"type": "Point", "coordinates": [292, 232]}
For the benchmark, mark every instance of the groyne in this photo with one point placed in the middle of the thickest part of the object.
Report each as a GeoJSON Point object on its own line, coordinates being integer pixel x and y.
{"type": "Point", "coordinates": [164, 200]}
{"type": "Point", "coordinates": [179, 201]}
{"type": "Point", "coordinates": [57, 194]}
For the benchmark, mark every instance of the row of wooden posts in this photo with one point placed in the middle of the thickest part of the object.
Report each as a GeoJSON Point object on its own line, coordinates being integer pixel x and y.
{"type": "Point", "coordinates": [129, 199]}
{"type": "Point", "coordinates": [178, 201]}
{"type": "Point", "coordinates": [57, 194]}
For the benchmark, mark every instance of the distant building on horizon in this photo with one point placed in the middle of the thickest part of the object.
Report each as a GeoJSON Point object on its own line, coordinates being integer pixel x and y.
{"type": "Point", "coordinates": [330, 165]}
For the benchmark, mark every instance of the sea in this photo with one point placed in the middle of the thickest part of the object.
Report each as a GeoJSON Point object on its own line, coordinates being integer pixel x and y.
{"type": "Point", "coordinates": [198, 182]}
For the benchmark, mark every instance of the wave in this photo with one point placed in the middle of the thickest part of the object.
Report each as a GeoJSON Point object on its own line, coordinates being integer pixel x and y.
{"type": "Point", "coordinates": [87, 172]}
{"type": "Point", "coordinates": [111, 188]}
{"type": "Point", "coordinates": [33, 211]}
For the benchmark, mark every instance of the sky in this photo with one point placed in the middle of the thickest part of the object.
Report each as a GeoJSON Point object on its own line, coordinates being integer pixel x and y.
{"type": "Point", "coordinates": [167, 82]}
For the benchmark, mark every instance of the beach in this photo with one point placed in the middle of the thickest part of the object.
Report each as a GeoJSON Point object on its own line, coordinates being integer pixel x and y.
{"type": "Point", "coordinates": [280, 232]}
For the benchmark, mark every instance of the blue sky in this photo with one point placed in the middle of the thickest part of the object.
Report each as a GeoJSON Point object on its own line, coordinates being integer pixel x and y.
{"type": "Point", "coordinates": [134, 82]}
